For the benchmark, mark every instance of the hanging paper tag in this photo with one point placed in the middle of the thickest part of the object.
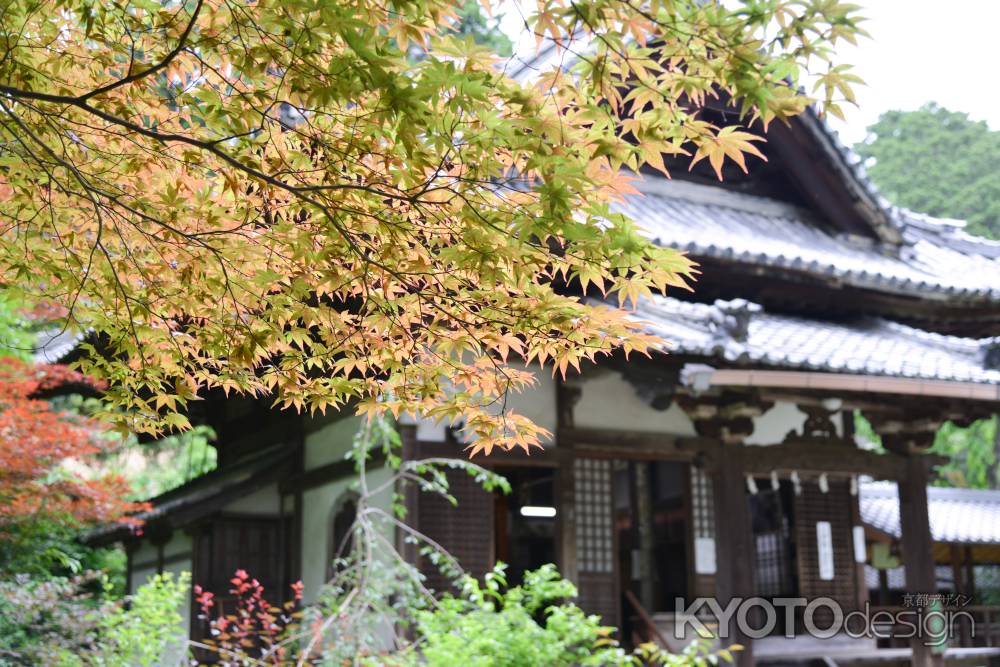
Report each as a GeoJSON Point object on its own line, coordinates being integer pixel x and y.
{"type": "Point", "coordinates": [824, 549]}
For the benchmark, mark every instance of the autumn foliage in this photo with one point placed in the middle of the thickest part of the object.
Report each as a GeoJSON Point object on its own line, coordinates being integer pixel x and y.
{"type": "Point", "coordinates": [247, 625]}
{"type": "Point", "coordinates": [36, 440]}
{"type": "Point", "coordinates": [341, 203]}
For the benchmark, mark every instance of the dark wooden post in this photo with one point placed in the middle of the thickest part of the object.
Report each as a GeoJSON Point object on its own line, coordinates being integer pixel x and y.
{"type": "Point", "coordinates": [860, 583]}
{"type": "Point", "coordinates": [734, 543]}
{"type": "Point", "coordinates": [411, 497]}
{"type": "Point", "coordinates": [970, 573]}
{"type": "Point", "coordinates": [566, 398]}
{"type": "Point", "coordinates": [918, 553]}
{"type": "Point", "coordinates": [957, 572]}
{"type": "Point", "coordinates": [728, 418]}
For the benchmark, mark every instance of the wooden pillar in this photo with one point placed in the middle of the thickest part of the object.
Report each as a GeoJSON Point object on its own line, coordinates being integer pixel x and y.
{"type": "Point", "coordinates": [566, 398]}
{"type": "Point", "coordinates": [883, 586]}
{"type": "Point", "coordinates": [734, 543]}
{"type": "Point", "coordinates": [860, 583]}
{"type": "Point", "coordinates": [566, 518]}
{"type": "Point", "coordinates": [955, 553]}
{"type": "Point", "coordinates": [970, 573]}
{"type": "Point", "coordinates": [918, 555]}
{"type": "Point", "coordinates": [642, 502]}
{"type": "Point", "coordinates": [411, 498]}
{"type": "Point", "coordinates": [961, 586]}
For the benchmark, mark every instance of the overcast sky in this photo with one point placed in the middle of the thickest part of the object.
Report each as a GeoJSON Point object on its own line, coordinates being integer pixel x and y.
{"type": "Point", "coordinates": [947, 51]}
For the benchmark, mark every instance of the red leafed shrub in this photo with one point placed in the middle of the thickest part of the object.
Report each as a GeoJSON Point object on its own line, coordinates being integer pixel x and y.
{"type": "Point", "coordinates": [35, 439]}
{"type": "Point", "coordinates": [245, 625]}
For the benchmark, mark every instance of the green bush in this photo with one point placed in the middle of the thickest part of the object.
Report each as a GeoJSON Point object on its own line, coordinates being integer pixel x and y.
{"type": "Point", "coordinates": [61, 623]}
{"type": "Point", "coordinates": [42, 620]}
{"type": "Point", "coordinates": [493, 625]}
{"type": "Point", "coordinates": [149, 632]}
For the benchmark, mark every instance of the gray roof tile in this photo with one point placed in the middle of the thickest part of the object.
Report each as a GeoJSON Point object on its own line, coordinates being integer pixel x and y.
{"type": "Point", "coordinates": [869, 346]}
{"type": "Point", "coordinates": [937, 259]}
{"type": "Point", "coordinates": [956, 515]}
{"type": "Point", "coordinates": [55, 345]}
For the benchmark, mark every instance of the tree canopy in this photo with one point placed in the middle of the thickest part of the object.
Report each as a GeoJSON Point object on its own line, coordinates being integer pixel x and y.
{"type": "Point", "coordinates": [37, 440]}
{"type": "Point", "coordinates": [938, 162]}
{"type": "Point", "coordinates": [344, 201]}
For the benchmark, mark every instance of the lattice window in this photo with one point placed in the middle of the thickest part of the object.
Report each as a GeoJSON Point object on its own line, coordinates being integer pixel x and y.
{"type": "Point", "coordinates": [702, 504]}
{"type": "Point", "coordinates": [594, 536]}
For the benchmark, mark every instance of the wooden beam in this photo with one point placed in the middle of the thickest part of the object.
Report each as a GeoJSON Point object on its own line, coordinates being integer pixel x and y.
{"type": "Point", "coordinates": [318, 476]}
{"type": "Point", "coordinates": [631, 444]}
{"type": "Point", "coordinates": [821, 457]}
{"type": "Point", "coordinates": [854, 382]}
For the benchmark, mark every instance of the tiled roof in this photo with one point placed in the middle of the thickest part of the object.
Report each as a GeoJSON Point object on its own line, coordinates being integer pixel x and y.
{"type": "Point", "coordinates": [196, 497]}
{"type": "Point", "coordinates": [969, 516]}
{"type": "Point", "coordinates": [741, 332]}
{"type": "Point", "coordinates": [916, 253]}
{"type": "Point", "coordinates": [936, 257]}
{"type": "Point", "coordinates": [54, 346]}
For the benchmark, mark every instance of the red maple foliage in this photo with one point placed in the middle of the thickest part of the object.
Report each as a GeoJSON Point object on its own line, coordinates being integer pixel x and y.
{"type": "Point", "coordinates": [254, 629]}
{"type": "Point", "coordinates": [35, 438]}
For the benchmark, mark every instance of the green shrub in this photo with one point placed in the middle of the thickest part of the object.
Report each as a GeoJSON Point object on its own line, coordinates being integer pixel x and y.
{"type": "Point", "coordinates": [150, 632]}
{"type": "Point", "coordinates": [492, 625]}
{"type": "Point", "coordinates": [40, 620]}
{"type": "Point", "coordinates": [61, 623]}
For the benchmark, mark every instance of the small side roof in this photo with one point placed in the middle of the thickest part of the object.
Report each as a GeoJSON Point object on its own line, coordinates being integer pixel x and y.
{"type": "Point", "coordinates": [961, 516]}
{"type": "Point", "coordinates": [204, 495]}
{"type": "Point", "coordinates": [55, 345]}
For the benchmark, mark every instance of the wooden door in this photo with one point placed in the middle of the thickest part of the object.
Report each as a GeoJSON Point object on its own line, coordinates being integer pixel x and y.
{"type": "Point", "coordinates": [596, 557]}
{"type": "Point", "coordinates": [465, 530]}
{"type": "Point", "coordinates": [834, 507]}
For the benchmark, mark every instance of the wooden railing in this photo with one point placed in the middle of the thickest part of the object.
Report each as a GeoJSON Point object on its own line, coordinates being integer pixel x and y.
{"type": "Point", "coordinates": [970, 626]}
{"type": "Point", "coordinates": [651, 633]}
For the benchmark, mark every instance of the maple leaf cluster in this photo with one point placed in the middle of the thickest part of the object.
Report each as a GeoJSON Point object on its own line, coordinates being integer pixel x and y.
{"type": "Point", "coordinates": [243, 626]}
{"type": "Point", "coordinates": [341, 203]}
{"type": "Point", "coordinates": [36, 439]}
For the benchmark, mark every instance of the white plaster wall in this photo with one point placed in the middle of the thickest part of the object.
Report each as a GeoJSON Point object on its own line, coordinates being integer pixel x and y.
{"type": "Point", "coordinates": [331, 443]}
{"type": "Point", "coordinates": [178, 568]}
{"type": "Point", "coordinates": [773, 426]}
{"type": "Point", "coordinates": [180, 543]}
{"type": "Point", "coordinates": [607, 401]}
{"type": "Point", "coordinates": [146, 553]}
{"type": "Point", "coordinates": [140, 576]}
{"type": "Point", "coordinates": [317, 506]}
{"type": "Point", "coordinates": [265, 501]}
{"type": "Point", "coordinates": [144, 558]}
{"type": "Point", "coordinates": [538, 402]}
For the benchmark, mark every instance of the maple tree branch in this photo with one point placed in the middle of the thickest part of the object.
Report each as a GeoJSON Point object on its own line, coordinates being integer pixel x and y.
{"type": "Point", "coordinates": [165, 62]}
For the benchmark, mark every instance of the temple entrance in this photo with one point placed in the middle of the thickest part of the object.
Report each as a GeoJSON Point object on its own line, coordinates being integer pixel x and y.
{"type": "Point", "coordinates": [773, 523]}
{"type": "Point", "coordinates": [525, 522]}
{"type": "Point", "coordinates": [651, 525]}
